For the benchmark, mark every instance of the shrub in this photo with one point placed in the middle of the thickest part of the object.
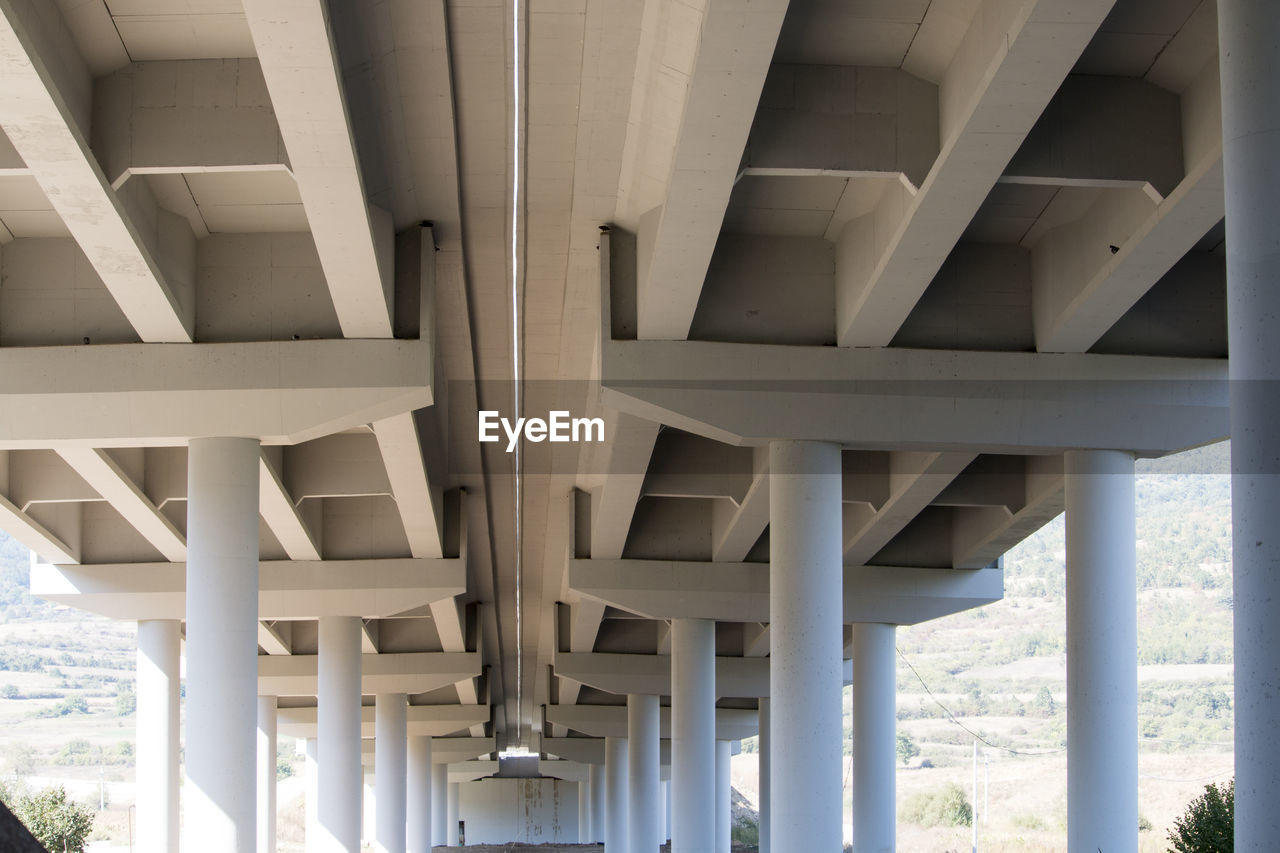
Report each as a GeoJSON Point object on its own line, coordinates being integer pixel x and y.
{"type": "Point", "coordinates": [947, 807]}
{"type": "Point", "coordinates": [56, 822]}
{"type": "Point", "coordinates": [1208, 825]}
{"type": "Point", "coordinates": [907, 748]}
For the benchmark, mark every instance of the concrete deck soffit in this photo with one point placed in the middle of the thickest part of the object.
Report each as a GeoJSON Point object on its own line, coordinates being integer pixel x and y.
{"type": "Point", "coordinates": [435, 721]}
{"type": "Point", "coordinates": [418, 672]}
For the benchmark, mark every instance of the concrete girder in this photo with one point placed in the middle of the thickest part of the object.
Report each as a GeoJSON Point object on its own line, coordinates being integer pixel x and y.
{"type": "Point", "coordinates": [282, 514]}
{"type": "Point", "coordinates": [282, 392]}
{"type": "Point", "coordinates": [343, 464]}
{"type": "Point", "coordinates": [611, 721]}
{"type": "Point", "coordinates": [354, 239]}
{"type": "Point", "coordinates": [184, 116]}
{"type": "Point", "coordinates": [736, 528]}
{"type": "Point", "coordinates": [150, 273]}
{"type": "Point", "coordinates": [457, 752]}
{"type": "Point", "coordinates": [689, 168]}
{"type": "Point", "coordinates": [287, 590]}
{"type": "Point", "coordinates": [1009, 65]}
{"type": "Point", "coordinates": [993, 402]}
{"type": "Point", "coordinates": [980, 534]}
{"type": "Point", "coordinates": [1080, 287]}
{"type": "Point", "coordinates": [915, 479]}
{"type": "Point", "coordinates": [417, 672]}
{"type": "Point", "coordinates": [275, 638]}
{"type": "Point", "coordinates": [651, 674]}
{"type": "Point", "coordinates": [115, 486]}
{"type": "Point", "coordinates": [434, 721]}
{"type": "Point", "coordinates": [739, 592]}
{"type": "Point", "coordinates": [36, 536]}
{"type": "Point", "coordinates": [590, 750]}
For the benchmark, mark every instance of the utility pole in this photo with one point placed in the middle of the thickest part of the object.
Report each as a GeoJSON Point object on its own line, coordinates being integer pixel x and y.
{"type": "Point", "coordinates": [986, 786]}
{"type": "Point", "coordinates": [974, 820]}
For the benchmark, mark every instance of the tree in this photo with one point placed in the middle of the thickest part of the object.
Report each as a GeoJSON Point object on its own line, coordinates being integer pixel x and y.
{"type": "Point", "coordinates": [907, 748]}
{"type": "Point", "coordinates": [1208, 825]}
{"type": "Point", "coordinates": [61, 825]}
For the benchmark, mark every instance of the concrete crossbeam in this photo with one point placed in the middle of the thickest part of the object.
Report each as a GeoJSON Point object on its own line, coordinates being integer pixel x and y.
{"type": "Point", "coordinates": [611, 721]}
{"type": "Point", "coordinates": [141, 395]}
{"type": "Point", "coordinates": [283, 515]}
{"type": "Point", "coordinates": [295, 675]}
{"type": "Point", "coordinates": [434, 721]}
{"type": "Point", "coordinates": [288, 589]}
{"type": "Point", "coordinates": [915, 480]}
{"type": "Point", "coordinates": [651, 674]}
{"type": "Point", "coordinates": [995, 402]}
{"type": "Point", "coordinates": [739, 592]}
{"type": "Point", "coordinates": [118, 489]}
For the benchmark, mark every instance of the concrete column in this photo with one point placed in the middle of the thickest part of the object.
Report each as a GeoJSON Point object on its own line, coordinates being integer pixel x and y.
{"type": "Point", "coordinates": [451, 829]}
{"type": "Point", "coordinates": [693, 733]}
{"type": "Point", "coordinates": [338, 733]}
{"type": "Point", "coordinates": [439, 803]}
{"type": "Point", "coordinates": [368, 807]}
{"type": "Point", "coordinates": [763, 753]}
{"type": "Point", "coordinates": [157, 735]}
{"type": "Point", "coordinates": [266, 774]}
{"type": "Point", "coordinates": [597, 776]}
{"type": "Point", "coordinates": [311, 796]}
{"type": "Point", "coordinates": [418, 795]}
{"type": "Point", "coordinates": [643, 757]}
{"type": "Point", "coordinates": [805, 611]}
{"type": "Point", "coordinates": [664, 799]}
{"type": "Point", "coordinates": [615, 795]}
{"type": "Point", "coordinates": [724, 796]}
{"type": "Point", "coordinates": [1249, 58]}
{"type": "Point", "coordinates": [584, 812]}
{"type": "Point", "coordinates": [220, 800]}
{"type": "Point", "coordinates": [1102, 653]}
{"type": "Point", "coordinates": [874, 739]}
{"type": "Point", "coordinates": [390, 756]}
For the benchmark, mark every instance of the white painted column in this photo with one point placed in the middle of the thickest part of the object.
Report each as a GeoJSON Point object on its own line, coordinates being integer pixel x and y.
{"type": "Point", "coordinates": [584, 812]}
{"type": "Point", "coordinates": [615, 795]}
{"type": "Point", "coordinates": [451, 830]}
{"type": "Point", "coordinates": [1249, 55]}
{"type": "Point", "coordinates": [157, 735]}
{"type": "Point", "coordinates": [266, 774]}
{"type": "Point", "coordinates": [724, 795]}
{"type": "Point", "coordinates": [368, 807]}
{"type": "Point", "coordinates": [338, 734]}
{"type": "Point", "coordinates": [664, 799]}
{"type": "Point", "coordinates": [643, 758]}
{"type": "Point", "coordinates": [693, 735]}
{"type": "Point", "coordinates": [763, 747]}
{"type": "Point", "coordinates": [220, 795]}
{"type": "Point", "coordinates": [1102, 653]}
{"type": "Point", "coordinates": [439, 803]}
{"type": "Point", "coordinates": [311, 796]}
{"type": "Point", "coordinates": [806, 638]}
{"type": "Point", "coordinates": [597, 776]}
{"type": "Point", "coordinates": [874, 739]}
{"type": "Point", "coordinates": [418, 795]}
{"type": "Point", "coordinates": [390, 756]}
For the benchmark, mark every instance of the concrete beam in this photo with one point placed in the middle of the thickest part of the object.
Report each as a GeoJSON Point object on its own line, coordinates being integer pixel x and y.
{"type": "Point", "coordinates": [735, 529]}
{"type": "Point", "coordinates": [1011, 62]}
{"type": "Point", "coordinates": [915, 480]}
{"type": "Point", "coordinates": [611, 721]}
{"type": "Point", "coordinates": [276, 638]}
{"type": "Point", "coordinates": [142, 395]}
{"type": "Point", "coordinates": [287, 589]}
{"type": "Point", "coordinates": [354, 240]}
{"type": "Point", "coordinates": [118, 489]}
{"type": "Point", "coordinates": [590, 750]}
{"type": "Point", "coordinates": [935, 400]}
{"type": "Point", "coordinates": [295, 675]}
{"type": "Point", "coordinates": [739, 592]}
{"type": "Point", "coordinates": [436, 721]}
{"type": "Point", "coordinates": [34, 535]}
{"type": "Point", "coordinates": [651, 674]}
{"type": "Point", "coordinates": [37, 117]}
{"type": "Point", "coordinates": [980, 534]}
{"type": "Point", "coordinates": [281, 513]}
{"type": "Point", "coordinates": [719, 91]}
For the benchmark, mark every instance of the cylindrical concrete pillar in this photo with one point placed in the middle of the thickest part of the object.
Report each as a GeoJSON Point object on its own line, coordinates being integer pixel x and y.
{"type": "Point", "coordinates": [1249, 58]}
{"type": "Point", "coordinates": [266, 774]}
{"type": "Point", "coordinates": [597, 776]}
{"type": "Point", "coordinates": [693, 734]}
{"type": "Point", "coordinates": [874, 739]}
{"type": "Point", "coordinates": [763, 755]}
{"type": "Point", "coordinates": [1102, 652]}
{"type": "Point", "coordinates": [664, 800]}
{"type": "Point", "coordinates": [390, 758]}
{"type": "Point", "coordinates": [157, 735]}
{"type": "Point", "coordinates": [806, 634]}
{"type": "Point", "coordinates": [584, 812]}
{"type": "Point", "coordinates": [724, 796]}
{"type": "Point", "coordinates": [368, 807]}
{"type": "Point", "coordinates": [220, 795]}
{"type": "Point", "coordinates": [451, 829]}
{"type": "Point", "coordinates": [418, 795]}
{"type": "Point", "coordinates": [311, 795]}
{"type": "Point", "coordinates": [642, 770]}
{"type": "Point", "coordinates": [338, 734]}
{"type": "Point", "coordinates": [615, 795]}
{"type": "Point", "coordinates": [439, 803]}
